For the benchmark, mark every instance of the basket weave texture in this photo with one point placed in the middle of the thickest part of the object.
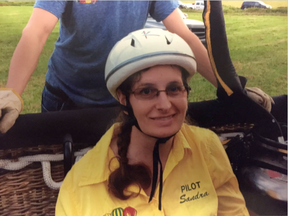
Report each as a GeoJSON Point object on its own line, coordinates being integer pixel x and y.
{"type": "Point", "coordinates": [24, 192]}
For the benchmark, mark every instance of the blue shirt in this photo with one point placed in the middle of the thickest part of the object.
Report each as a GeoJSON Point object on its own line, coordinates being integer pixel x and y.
{"type": "Point", "coordinates": [88, 31]}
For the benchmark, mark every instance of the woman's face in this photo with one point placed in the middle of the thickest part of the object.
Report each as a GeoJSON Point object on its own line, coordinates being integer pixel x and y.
{"type": "Point", "coordinates": [162, 115]}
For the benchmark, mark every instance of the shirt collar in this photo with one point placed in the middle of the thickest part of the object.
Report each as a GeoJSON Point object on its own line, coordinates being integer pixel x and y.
{"type": "Point", "coordinates": [178, 151]}
{"type": "Point", "coordinates": [99, 169]}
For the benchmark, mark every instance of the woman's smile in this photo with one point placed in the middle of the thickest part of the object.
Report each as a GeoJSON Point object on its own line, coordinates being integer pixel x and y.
{"type": "Point", "coordinates": [162, 115]}
{"type": "Point", "coordinates": [163, 118]}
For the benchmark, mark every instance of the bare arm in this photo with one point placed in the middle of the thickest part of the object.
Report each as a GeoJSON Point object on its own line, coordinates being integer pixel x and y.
{"type": "Point", "coordinates": [175, 24]}
{"type": "Point", "coordinates": [29, 48]}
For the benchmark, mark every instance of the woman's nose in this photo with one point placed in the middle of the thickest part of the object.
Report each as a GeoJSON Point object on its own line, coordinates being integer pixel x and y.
{"type": "Point", "coordinates": [163, 101]}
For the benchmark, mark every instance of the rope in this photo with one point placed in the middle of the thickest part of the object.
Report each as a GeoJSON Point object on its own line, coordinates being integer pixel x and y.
{"type": "Point", "coordinates": [44, 159]}
{"type": "Point", "coordinates": [46, 167]}
{"type": "Point", "coordinates": [22, 162]}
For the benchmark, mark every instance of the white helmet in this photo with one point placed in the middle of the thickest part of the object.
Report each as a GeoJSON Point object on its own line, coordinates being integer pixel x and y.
{"type": "Point", "coordinates": [146, 48]}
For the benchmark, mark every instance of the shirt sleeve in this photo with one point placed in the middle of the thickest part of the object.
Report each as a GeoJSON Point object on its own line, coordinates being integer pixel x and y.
{"type": "Point", "coordinates": [55, 7]}
{"type": "Point", "coordinates": [230, 199]}
{"type": "Point", "coordinates": [159, 10]}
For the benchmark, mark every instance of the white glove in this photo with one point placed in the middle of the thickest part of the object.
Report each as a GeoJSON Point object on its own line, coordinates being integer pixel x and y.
{"type": "Point", "coordinates": [11, 105]}
{"type": "Point", "coordinates": [260, 97]}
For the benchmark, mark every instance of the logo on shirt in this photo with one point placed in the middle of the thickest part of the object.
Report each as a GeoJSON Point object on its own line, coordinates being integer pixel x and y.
{"type": "Point", "coordinates": [128, 211]}
{"type": "Point", "coordinates": [84, 1]}
{"type": "Point", "coordinates": [192, 192]}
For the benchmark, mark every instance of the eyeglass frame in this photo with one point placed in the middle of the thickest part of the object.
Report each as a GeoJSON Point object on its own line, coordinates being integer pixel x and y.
{"type": "Point", "coordinates": [186, 88]}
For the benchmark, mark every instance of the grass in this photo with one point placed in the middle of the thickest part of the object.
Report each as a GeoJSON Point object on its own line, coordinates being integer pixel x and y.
{"type": "Point", "coordinates": [258, 49]}
{"type": "Point", "coordinates": [16, 3]}
{"type": "Point", "coordinates": [274, 4]}
{"type": "Point", "coordinates": [257, 42]}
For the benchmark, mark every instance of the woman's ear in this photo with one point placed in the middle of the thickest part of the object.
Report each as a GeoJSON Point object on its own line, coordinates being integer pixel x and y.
{"type": "Point", "coordinates": [121, 97]}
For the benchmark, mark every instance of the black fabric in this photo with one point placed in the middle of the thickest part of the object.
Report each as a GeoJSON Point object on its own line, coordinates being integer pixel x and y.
{"type": "Point", "coordinates": [85, 126]}
{"type": "Point", "coordinates": [218, 112]}
{"type": "Point", "coordinates": [279, 109]}
{"type": "Point", "coordinates": [217, 47]}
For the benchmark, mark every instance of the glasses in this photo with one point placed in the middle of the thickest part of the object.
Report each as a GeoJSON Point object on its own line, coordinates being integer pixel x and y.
{"type": "Point", "coordinates": [149, 93]}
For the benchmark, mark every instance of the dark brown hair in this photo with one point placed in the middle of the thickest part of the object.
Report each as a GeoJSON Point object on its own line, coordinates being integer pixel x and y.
{"type": "Point", "coordinates": [127, 174]}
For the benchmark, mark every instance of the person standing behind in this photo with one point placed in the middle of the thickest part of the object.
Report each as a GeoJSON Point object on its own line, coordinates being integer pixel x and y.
{"type": "Point", "coordinates": [88, 31]}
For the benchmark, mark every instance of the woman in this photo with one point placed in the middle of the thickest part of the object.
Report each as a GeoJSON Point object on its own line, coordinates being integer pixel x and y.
{"type": "Point", "coordinates": [152, 163]}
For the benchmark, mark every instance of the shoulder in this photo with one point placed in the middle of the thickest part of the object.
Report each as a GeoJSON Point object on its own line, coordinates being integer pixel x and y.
{"type": "Point", "coordinates": [54, 7]}
{"type": "Point", "coordinates": [78, 170]}
{"type": "Point", "coordinates": [93, 164]}
{"type": "Point", "coordinates": [161, 9]}
{"type": "Point", "coordinates": [195, 132]}
{"type": "Point", "coordinates": [206, 140]}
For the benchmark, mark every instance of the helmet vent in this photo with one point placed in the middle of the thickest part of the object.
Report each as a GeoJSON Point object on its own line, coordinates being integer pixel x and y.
{"type": "Point", "coordinates": [167, 40]}
{"type": "Point", "coordinates": [133, 43]}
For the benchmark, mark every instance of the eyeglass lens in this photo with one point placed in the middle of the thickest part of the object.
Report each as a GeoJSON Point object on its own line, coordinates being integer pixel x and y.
{"type": "Point", "coordinates": [148, 93]}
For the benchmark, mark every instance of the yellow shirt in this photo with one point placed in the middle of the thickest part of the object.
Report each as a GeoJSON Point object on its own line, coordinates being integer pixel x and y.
{"type": "Point", "coordinates": [197, 180]}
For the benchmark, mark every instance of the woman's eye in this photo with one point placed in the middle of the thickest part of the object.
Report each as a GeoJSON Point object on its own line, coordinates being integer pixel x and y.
{"type": "Point", "coordinates": [174, 88]}
{"type": "Point", "coordinates": [146, 91]}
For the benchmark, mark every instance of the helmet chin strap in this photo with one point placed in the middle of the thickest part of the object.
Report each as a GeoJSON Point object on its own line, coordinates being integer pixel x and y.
{"type": "Point", "coordinates": [156, 160]}
{"type": "Point", "coordinates": [156, 155]}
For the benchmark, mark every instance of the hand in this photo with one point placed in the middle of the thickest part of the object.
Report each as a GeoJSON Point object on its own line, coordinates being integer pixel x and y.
{"type": "Point", "coordinates": [11, 105]}
{"type": "Point", "coordinates": [260, 97]}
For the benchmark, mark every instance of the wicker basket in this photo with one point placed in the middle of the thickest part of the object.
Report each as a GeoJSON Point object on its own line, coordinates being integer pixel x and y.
{"type": "Point", "coordinates": [24, 192]}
